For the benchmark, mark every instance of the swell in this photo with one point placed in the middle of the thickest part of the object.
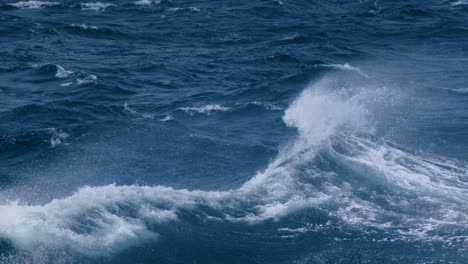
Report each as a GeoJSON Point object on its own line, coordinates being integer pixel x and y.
{"type": "Point", "coordinates": [336, 166]}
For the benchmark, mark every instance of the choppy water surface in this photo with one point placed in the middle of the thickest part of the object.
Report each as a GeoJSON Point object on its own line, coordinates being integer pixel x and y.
{"type": "Point", "coordinates": [233, 131]}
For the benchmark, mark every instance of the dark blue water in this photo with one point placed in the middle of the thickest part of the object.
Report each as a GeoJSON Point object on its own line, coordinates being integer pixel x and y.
{"type": "Point", "coordinates": [233, 131]}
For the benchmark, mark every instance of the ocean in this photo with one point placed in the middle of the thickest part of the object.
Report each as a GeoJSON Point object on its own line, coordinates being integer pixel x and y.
{"type": "Point", "coordinates": [233, 131]}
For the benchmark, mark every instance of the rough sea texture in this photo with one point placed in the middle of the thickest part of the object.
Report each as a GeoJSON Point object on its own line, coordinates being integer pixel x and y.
{"type": "Point", "coordinates": [234, 131]}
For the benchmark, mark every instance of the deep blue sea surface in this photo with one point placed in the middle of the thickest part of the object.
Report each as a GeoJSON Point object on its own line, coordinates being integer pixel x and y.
{"type": "Point", "coordinates": [233, 131]}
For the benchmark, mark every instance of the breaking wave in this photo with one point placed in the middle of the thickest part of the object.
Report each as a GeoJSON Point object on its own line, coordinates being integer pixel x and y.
{"type": "Point", "coordinates": [324, 169]}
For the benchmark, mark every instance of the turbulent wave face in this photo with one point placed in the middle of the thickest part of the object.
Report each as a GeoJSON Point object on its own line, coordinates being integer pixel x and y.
{"type": "Point", "coordinates": [165, 132]}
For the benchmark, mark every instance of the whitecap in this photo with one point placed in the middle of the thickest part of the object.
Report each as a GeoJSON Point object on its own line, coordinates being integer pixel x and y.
{"type": "Point", "coordinates": [460, 90]}
{"type": "Point", "coordinates": [147, 2]}
{"type": "Point", "coordinates": [459, 2]}
{"type": "Point", "coordinates": [133, 111]}
{"type": "Point", "coordinates": [33, 4]}
{"type": "Point", "coordinates": [66, 84]}
{"type": "Point", "coordinates": [88, 79]}
{"type": "Point", "coordinates": [291, 37]}
{"type": "Point", "coordinates": [346, 67]}
{"type": "Point", "coordinates": [267, 106]}
{"type": "Point", "coordinates": [166, 118]}
{"type": "Point", "coordinates": [62, 73]}
{"type": "Point", "coordinates": [317, 116]}
{"type": "Point", "coordinates": [306, 228]}
{"type": "Point", "coordinates": [107, 230]}
{"type": "Point", "coordinates": [98, 6]}
{"type": "Point", "coordinates": [128, 109]}
{"type": "Point", "coordinates": [83, 26]}
{"type": "Point", "coordinates": [205, 109]}
{"type": "Point", "coordinates": [279, 2]}
{"type": "Point", "coordinates": [191, 8]}
{"type": "Point", "coordinates": [57, 136]}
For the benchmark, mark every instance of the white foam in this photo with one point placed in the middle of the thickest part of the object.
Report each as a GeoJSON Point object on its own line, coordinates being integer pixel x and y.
{"type": "Point", "coordinates": [346, 67]}
{"type": "Point", "coordinates": [62, 73]}
{"type": "Point", "coordinates": [108, 228]}
{"type": "Point", "coordinates": [205, 109]}
{"type": "Point", "coordinates": [57, 136]}
{"type": "Point", "coordinates": [147, 2]}
{"type": "Point", "coordinates": [460, 90]}
{"type": "Point", "coordinates": [166, 118]}
{"type": "Point", "coordinates": [412, 172]}
{"type": "Point", "coordinates": [33, 4]}
{"type": "Point", "coordinates": [267, 106]}
{"type": "Point", "coordinates": [87, 79]}
{"type": "Point", "coordinates": [191, 8]}
{"type": "Point", "coordinates": [83, 26]}
{"type": "Point", "coordinates": [279, 2]}
{"type": "Point", "coordinates": [291, 37]}
{"type": "Point", "coordinates": [128, 109]}
{"type": "Point", "coordinates": [318, 115]}
{"type": "Point", "coordinates": [66, 84]}
{"type": "Point", "coordinates": [97, 6]}
{"type": "Point", "coordinates": [133, 111]}
{"type": "Point", "coordinates": [307, 228]}
{"type": "Point", "coordinates": [459, 2]}
{"type": "Point", "coordinates": [270, 195]}
{"type": "Point", "coordinates": [435, 183]}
